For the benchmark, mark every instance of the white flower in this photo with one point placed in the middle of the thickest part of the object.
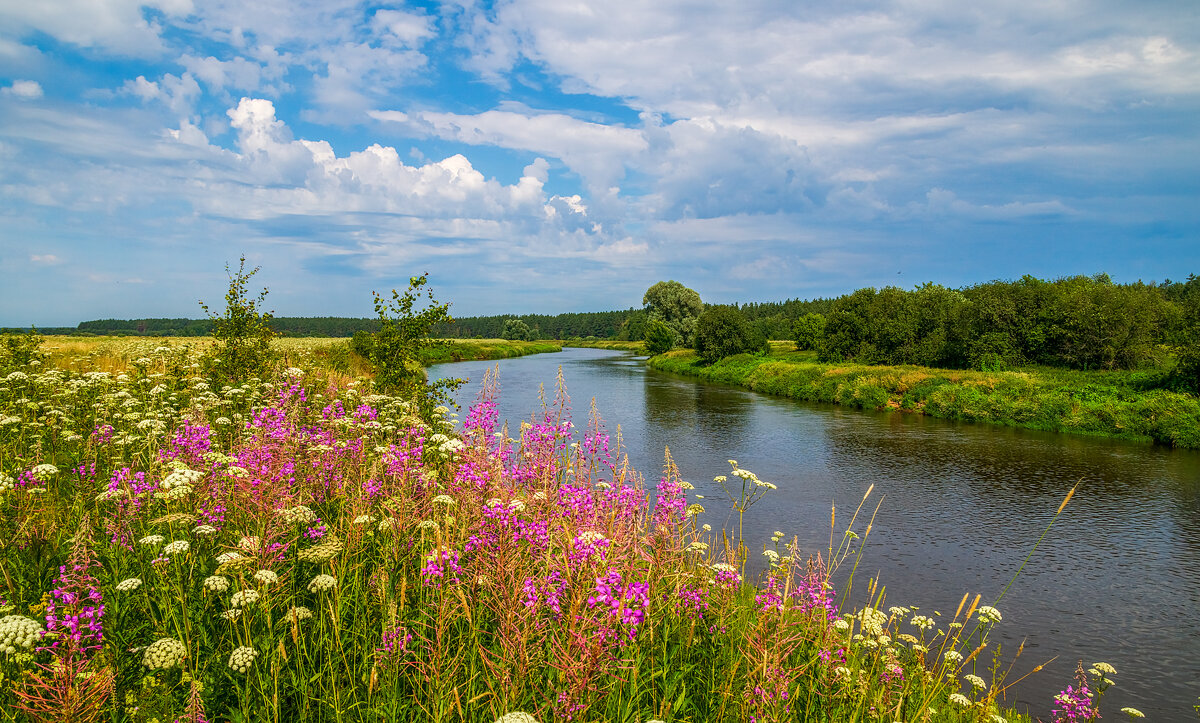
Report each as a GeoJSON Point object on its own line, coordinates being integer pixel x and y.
{"type": "Point", "coordinates": [181, 477]}
{"type": "Point", "coordinates": [1104, 668]}
{"type": "Point", "coordinates": [177, 547]}
{"type": "Point", "coordinates": [242, 598]}
{"type": "Point", "coordinates": [298, 515]}
{"type": "Point", "coordinates": [151, 540]}
{"type": "Point", "coordinates": [427, 525]}
{"type": "Point", "coordinates": [204, 530]}
{"type": "Point", "coordinates": [923, 622]}
{"type": "Point", "coordinates": [953, 657]}
{"type": "Point", "coordinates": [266, 577]}
{"type": "Point", "coordinates": [242, 658]}
{"type": "Point", "coordinates": [989, 614]}
{"type": "Point", "coordinates": [297, 613]}
{"type": "Point", "coordinates": [164, 653]}
{"type": "Point", "coordinates": [321, 583]}
{"type": "Point", "coordinates": [226, 557]}
{"type": "Point", "coordinates": [697, 546]}
{"type": "Point", "coordinates": [1133, 713]}
{"type": "Point", "coordinates": [129, 584]}
{"type": "Point", "coordinates": [960, 700]}
{"type": "Point", "coordinates": [516, 717]}
{"type": "Point", "coordinates": [43, 472]}
{"type": "Point", "coordinates": [364, 520]}
{"type": "Point", "coordinates": [841, 625]}
{"type": "Point", "coordinates": [771, 555]}
{"type": "Point", "coordinates": [975, 681]}
{"type": "Point", "coordinates": [216, 583]}
{"type": "Point", "coordinates": [18, 631]}
{"type": "Point", "coordinates": [250, 544]}
{"type": "Point", "coordinates": [232, 615]}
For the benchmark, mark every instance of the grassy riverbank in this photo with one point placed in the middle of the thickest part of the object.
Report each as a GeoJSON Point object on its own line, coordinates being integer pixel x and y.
{"type": "Point", "coordinates": [636, 347]}
{"type": "Point", "coordinates": [1111, 404]}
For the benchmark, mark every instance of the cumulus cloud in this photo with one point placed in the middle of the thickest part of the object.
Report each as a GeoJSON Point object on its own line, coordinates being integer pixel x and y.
{"type": "Point", "coordinates": [24, 89]}
{"type": "Point", "coordinates": [116, 25]}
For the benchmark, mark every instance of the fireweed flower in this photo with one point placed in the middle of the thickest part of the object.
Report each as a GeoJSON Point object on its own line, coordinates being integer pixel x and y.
{"type": "Point", "coordinates": [18, 632]}
{"type": "Point", "coordinates": [164, 653]}
{"type": "Point", "coordinates": [242, 658]}
{"type": "Point", "coordinates": [439, 565]}
{"type": "Point", "coordinates": [129, 584]}
{"type": "Point", "coordinates": [321, 583]}
{"type": "Point", "coordinates": [726, 575]}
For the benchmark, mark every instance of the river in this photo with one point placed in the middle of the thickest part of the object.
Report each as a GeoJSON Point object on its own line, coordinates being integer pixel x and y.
{"type": "Point", "coordinates": [1117, 579]}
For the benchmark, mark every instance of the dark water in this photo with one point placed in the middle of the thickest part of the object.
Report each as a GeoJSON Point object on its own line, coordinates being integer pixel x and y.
{"type": "Point", "coordinates": [1117, 579]}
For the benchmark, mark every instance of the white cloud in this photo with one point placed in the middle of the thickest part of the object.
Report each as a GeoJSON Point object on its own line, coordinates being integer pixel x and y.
{"type": "Point", "coordinates": [47, 259]}
{"type": "Point", "coordinates": [116, 25]}
{"type": "Point", "coordinates": [24, 89]}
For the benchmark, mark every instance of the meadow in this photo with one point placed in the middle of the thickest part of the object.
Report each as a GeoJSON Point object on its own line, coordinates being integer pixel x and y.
{"type": "Point", "coordinates": [303, 548]}
{"type": "Point", "coordinates": [1120, 404]}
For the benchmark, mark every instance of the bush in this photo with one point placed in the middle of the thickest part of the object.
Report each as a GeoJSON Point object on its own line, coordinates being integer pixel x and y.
{"type": "Point", "coordinates": [722, 331]}
{"type": "Point", "coordinates": [21, 350]}
{"type": "Point", "coordinates": [243, 335]}
{"type": "Point", "coordinates": [808, 331]}
{"type": "Point", "coordinates": [659, 337]}
{"type": "Point", "coordinates": [395, 350]}
{"type": "Point", "coordinates": [517, 330]}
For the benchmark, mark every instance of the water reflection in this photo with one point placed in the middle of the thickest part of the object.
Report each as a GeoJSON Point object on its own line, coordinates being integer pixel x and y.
{"type": "Point", "coordinates": [1117, 578]}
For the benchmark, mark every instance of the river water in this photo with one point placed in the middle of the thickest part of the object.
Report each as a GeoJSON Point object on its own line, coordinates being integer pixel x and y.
{"type": "Point", "coordinates": [1117, 579]}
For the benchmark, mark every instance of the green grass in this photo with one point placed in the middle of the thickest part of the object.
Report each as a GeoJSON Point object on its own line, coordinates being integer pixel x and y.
{"type": "Point", "coordinates": [636, 347]}
{"type": "Point", "coordinates": [484, 349]}
{"type": "Point", "coordinates": [1116, 404]}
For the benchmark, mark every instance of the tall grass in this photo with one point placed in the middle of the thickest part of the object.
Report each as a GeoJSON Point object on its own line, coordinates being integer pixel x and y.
{"type": "Point", "coordinates": [1110, 404]}
{"type": "Point", "coordinates": [301, 549]}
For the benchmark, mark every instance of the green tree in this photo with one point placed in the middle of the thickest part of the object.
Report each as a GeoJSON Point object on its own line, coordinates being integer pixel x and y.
{"type": "Point", "coordinates": [659, 337]}
{"type": "Point", "coordinates": [243, 334]}
{"type": "Point", "coordinates": [516, 330]}
{"type": "Point", "coordinates": [18, 351]}
{"type": "Point", "coordinates": [676, 305]}
{"type": "Point", "coordinates": [395, 352]}
{"type": "Point", "coordinates": [722, 331]}
{"type": "Point", "coordinates": [808, 331]}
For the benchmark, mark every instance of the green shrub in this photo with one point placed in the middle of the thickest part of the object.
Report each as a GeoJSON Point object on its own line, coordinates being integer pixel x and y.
{"type": "Point", "coordinates": [243, 334]}
{"type": "Point", "coordinates": [722, 331]}
{"type": "Point", "coordinates": [659, 337]}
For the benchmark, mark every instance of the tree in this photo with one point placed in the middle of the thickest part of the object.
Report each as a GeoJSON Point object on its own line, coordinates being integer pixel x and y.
{"type": "Point", "coordinates": [659, 337]}
{"type": "Point", "coordinates": [243, 335]}
{"type": "Point", "coordinates": [395, 351]}
{"type": "Point", "coordinates": [516, 330]}
{"type": "Point", "coordinates": [722, 331]}
{"type": "Point", "coordinates": [808, 331]}
{"type": "Point", "coordinates": [676, 305]}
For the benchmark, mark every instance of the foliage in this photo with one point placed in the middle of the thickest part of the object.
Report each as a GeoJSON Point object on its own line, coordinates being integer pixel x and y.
{"type": "Point", "coordinates": [243, 335]}
{"type": "Point", "coordinates": [309, 552]}
{"type": "Point", "coordinates": [676, 305]}
{"type": "Point", "coordinates": [396, 349]}
{"type": "Point", "coordinates": [808, 331]}
{"type": "Point", "coordinates": [1108, 403]}
{"type": "Point", "coordinates": [659, 337]}
{"type": "Point", "coordinates": [721, 331]}
{"type": "Point", "coordinates": [517, 330]}
{"type": "Point", "coordinates": [21, 351]}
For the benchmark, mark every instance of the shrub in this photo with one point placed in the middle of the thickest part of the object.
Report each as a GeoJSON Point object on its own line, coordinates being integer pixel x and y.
{"type": "Point", "coordinates": [808, 331]}
{"type": "Point", "coordinates": [517, 330]}
{"type": "Point", "coordinates": [21, 350]}
{"type": "Point", "coordinates": [243, 335]}
{"type": "Point", "coordinates": [722, 331]}
{"type": "Point", "coordinates": [659, 337]}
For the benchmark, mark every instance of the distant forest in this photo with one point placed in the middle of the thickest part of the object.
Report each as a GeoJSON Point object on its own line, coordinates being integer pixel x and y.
{"type": "Point", "coordinates": [1079, 321]}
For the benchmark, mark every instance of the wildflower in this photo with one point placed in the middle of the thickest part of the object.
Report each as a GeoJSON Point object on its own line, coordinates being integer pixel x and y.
{"type": "Point", "coordinates": [242, 658]}
{"type": "Point", "coordinates": [443, 500]}
{"type": "Point", "coordinates": [232, 615]}
{"type": "Point", "coordinates": [772, 556]}
{"type": "Point", "coordinates": [975, 681]}
{"type": "Point", "coordinates": [320, 583]}
{"type": "Point", "coordinates": [164, 653]}
{"type": "Point", "coordinates": [181, 478]}
{"type": "Point", "coordinates": [1133, 713]}
{"type": "Point", "coordinates": [922, 622]}
{"type": "Point", "coordinates": [364, 520]}
{"type": "Point", "coordinates": [216, 583]}
{"type": "Point", "coordinates": [326, 549]}
{"type": "Point", "coordinates": [151, 540]}
{"type": "Point", "coordinates": [697, 546]}
{"type": "Point", "coordinates": [43, 472]}
{"type": "Point", "coordinates": [953, 657]}
{"type": "Point", "coordinates": [841, 625]}
{"type": "Point", "coordinates": [997, 718]}
{"type": "Point", "coordinates": [129, 584]}
{"type": "Point", "coordinates": [228, 557]}
{"type": "Point", "coordinates": [297, 515]}
{"type": "Point", "coordinates": [6, 483]}
{"type": "Point", "coordinates": [250, 544]}
{"type": "Point", "coordinates": [960, 699]}
{"type": "Point", "coordinates": [1102, 669]}
{"type": "Point", "coordinates": [989, 614]}
{"type": "Point", "coordinates": [516, 717]}
{"type": "Point", "coordinates": [243, 598]}
{"type": "Point", "coordinates": [266, 577]}
{"type": "Point", "coordinates": [427, 525]}
{"type": "Point", "coordinates": [297, 613]}
{"type": "Point", "coordinates": [204, 530]}
{"type": "Point", "coordinates": [177, 547]}
{"type": "Point", "coordinates": [18, 631]}
{"type": "Point", "coordinates": [694, 509]}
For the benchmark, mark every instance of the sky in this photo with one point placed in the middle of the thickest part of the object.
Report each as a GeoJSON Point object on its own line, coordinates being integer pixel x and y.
{"type": "Point", "coordinates": [546, 156]}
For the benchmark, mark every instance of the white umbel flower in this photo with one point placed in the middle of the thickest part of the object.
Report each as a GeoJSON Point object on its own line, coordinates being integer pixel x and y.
{"type": "Point", "coordinates": [242, 658]}
{"type": "Point", "coordinates": [18, 632]}
{"type": "Point", "coordinates": [320, 583]}
{"type": "Point", "coordinates": [164, 653]}
{"type": "Point", "coordinates": [129, 584]}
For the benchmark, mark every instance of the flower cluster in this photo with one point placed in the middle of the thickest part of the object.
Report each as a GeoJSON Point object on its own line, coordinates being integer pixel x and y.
{"type": "Point", "coordinates": [241, 659]}
{"type": "Point", "coordinates": [18, 632]}
{"type": "Point", "coordinates": [164, 653]}
{"type": "Point", "coordinates": [321, 583]}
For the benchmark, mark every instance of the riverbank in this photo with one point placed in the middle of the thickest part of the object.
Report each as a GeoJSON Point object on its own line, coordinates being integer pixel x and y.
{"type": "Point", "coordinates": [636, 347]}
{"type": "Point", "coordinates": [1109, 404]}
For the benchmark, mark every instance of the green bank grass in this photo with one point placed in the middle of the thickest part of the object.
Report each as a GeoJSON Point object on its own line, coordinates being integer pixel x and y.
{"type": "Point", "coordinates": [1111, 404]}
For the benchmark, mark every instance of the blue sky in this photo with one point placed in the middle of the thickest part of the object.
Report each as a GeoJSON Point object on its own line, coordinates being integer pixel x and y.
{"type": "Point", "coordinates": [547, 156]}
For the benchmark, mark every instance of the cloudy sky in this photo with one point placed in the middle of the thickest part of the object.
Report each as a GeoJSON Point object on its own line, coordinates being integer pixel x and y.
{"type": "Point", "coordinates": [563, 155]}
